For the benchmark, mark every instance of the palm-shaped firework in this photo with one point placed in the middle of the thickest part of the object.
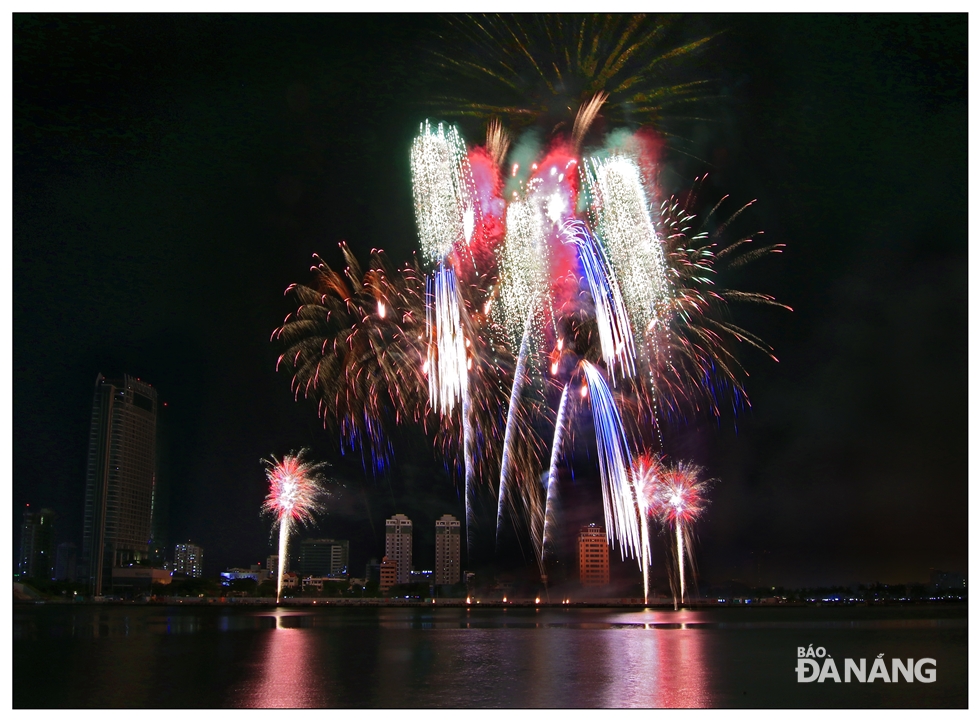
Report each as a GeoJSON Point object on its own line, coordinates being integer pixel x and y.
{"type": "Point", "coordinates": [296, 492]}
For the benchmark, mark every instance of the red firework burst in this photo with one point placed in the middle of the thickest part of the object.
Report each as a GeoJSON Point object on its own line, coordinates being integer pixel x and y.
{"type": "Point", "coordinates": [295, 488]}
{"type": "Point", "coordinates": [680, 495]}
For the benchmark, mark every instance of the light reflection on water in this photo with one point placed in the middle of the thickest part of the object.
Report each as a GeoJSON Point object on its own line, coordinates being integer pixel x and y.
{"type": "Point", "coordinates": [289, 676]}
{"type": "Point", "coordinates": [129, 656]}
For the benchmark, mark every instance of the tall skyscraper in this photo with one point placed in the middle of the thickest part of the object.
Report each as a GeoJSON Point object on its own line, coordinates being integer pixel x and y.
{"type": "Point", "coordinates": [398, 544]}
{"type": "Point", "coordinates": [37, 545]}
{"type": "Point", "coordinates": [447, 551]}
{"type": "Point", "coordinates": [120, 478]}
{"type": "Point", "coordinates": [593, 556]}
{"type": "Point", "coordinates": [323, 557]}
{"type": "Point", "coordinates": [189, 559]}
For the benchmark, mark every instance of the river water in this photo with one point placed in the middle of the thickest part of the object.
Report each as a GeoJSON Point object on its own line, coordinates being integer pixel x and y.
{"type": "Point", "coordinates": [75, 656]}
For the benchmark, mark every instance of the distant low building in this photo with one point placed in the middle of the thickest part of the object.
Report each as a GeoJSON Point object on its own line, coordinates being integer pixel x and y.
{"type": "Point", "coordinates": [189, 559]}
{"type": "Point", "coordinates": [389, 573]}
{"type": "Point", "coordinates": [256, 573]}
{"type": "Point", "coordinates": [321, 582]}
{"type": "Point", "coordinates": [134, 580]}
{"type": "Point", "coordinates": [290, 580]}
{"type": "Point", "coordinates": [947, 580]}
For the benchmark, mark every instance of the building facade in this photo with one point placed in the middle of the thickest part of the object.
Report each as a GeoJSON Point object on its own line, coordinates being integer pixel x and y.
{"type": "Point", "coordinates": [447, 568]}
{"type": "Point", "coordinates": [120, 478]}
{"type": "Point", "coordinates": [324, 557]}
{"type": "Point", "coordinates": [254, 572]}
{"type": "Point", "coordinates": [593, 556]}
{"type": "Point", "coordinates": [398, 544]}
{"type": "Point", "coordinates": [389, 573]}
{"type": "Point", "coordinates": [36, 558]}
{"type": "Point", "coordinates": [189, 559]}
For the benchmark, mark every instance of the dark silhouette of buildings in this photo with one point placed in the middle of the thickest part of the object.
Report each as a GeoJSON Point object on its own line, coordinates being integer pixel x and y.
{"type": "Point", "coordinates": [66, 562]}
{"type": "Point", "coordinates": [120, 479]}
{"type": "Point", "coordinates": [37, 545]}
{"type": "Point", "coordinates": [324, 557]}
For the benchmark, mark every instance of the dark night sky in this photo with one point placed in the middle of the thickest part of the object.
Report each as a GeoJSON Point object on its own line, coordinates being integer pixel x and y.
{"type": "Point", "coordinates": [173, 174]}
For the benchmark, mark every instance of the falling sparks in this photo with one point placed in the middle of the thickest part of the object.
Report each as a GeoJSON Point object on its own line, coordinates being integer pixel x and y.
{"type": "Point", "coordinates": [615, 337]}
{"type": "Point", "coordinates": [618, 500]}
{"type": "Point", "coordinates": [447, 360]}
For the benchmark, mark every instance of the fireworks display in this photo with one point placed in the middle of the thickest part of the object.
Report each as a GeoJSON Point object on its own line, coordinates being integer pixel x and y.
{"type": "Point", "coordinates": [674, 496]}
{"type": "Point", "coordinates": [296, 492]}
{"type": "Point", "coordinates": [556, 278]}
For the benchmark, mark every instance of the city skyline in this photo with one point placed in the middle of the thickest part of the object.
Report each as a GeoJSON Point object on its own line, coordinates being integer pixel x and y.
{"type": "Point", "coordinates": [823, 425]}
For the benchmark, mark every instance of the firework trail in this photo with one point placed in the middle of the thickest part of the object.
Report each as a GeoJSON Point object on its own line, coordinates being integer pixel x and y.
{"type": "Point", "coordinates": [551, 492]}
{"type": "Point", "coordinates": [296, 492]}
{"type": "Point", "coordinates": [512, 413]}
{"type": "Point", "coordinates": [646, 479]}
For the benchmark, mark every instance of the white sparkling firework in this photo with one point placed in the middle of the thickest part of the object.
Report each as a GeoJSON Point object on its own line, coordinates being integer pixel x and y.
{"type": "Point", "coordinates": [622, 220]}
{"type": "Point", "coordinates": [618, 494]}
{"type": "Point", "coordinates": [443, 189]}
{"type": "Point", "coordinates": [615, 336]}
{"type": "Point", "coordinates": [523, 264]}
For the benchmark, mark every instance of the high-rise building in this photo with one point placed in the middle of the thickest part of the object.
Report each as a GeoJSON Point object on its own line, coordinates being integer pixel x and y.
{"type": "Point", "coordinates": [272, 565]}
{"type": "Point", "coordinates": [37, 545]}
{"type": "Point", "coordinates": [398, 544]}
{"type": "Point", "coordinates": [189, 559]}
{"type": "Point", "coordinates": [65, 564]}
{"type": "Point", "coordinates": [120, 478]}
{"type": "Point", "coordinates": [446, 571]}
{"type": "Point", "coordinates": [323, 557]}
{"type": "Point", "coordinates": [593, 556]}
